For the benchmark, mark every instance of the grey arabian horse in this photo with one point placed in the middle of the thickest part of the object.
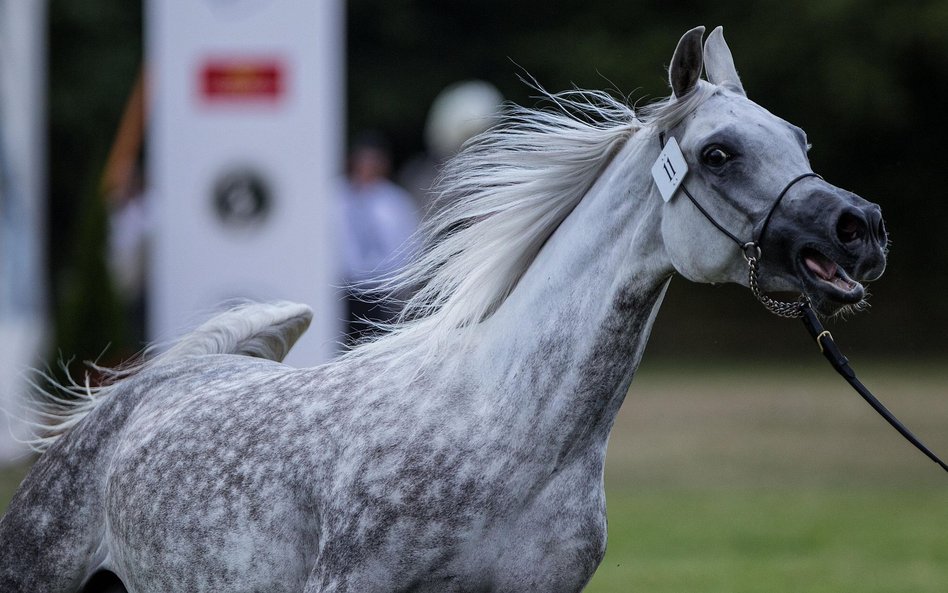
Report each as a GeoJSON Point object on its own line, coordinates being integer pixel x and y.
{"type": "Point", "coordinates": [462, 450]}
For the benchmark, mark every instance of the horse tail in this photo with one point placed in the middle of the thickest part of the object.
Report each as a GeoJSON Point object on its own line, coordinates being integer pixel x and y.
{"type": "Point", "coordinates": [260, 330]}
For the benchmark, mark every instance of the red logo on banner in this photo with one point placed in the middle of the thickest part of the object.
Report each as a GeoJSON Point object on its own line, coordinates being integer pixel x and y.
{"type": "Point", "coordinates": [239, 80]}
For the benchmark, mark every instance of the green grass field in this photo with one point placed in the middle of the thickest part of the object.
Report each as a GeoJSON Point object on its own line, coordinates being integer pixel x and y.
{"type": "Point", "coordinates": [9, 478]}
{"type": "Point", "coordinates": [777, 481]}
{"type": "Point", "coordinates": [734, 480]}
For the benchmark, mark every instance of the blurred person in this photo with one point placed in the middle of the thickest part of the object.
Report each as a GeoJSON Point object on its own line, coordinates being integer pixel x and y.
{"type": "Point", "coordinates": [378, 220]}
{"type": "Point", "coordinates": [459, 112]}
{"type": "Point", "coordinates": [129, 232]}
{"type": "Point", "coordinates": [129, 226]}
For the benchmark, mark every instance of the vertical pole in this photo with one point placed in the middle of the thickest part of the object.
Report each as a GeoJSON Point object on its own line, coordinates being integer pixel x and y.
{"type": "Point", "coordinates": [23, 312]}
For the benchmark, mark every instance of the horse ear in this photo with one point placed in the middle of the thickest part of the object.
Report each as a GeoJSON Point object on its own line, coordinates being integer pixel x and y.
{"type": "Point", "coordinates": [719, 63]}
{"type": "Point", "coordinates": [686, 64]}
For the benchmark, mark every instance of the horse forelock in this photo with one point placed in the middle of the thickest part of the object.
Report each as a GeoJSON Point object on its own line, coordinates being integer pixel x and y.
{"type": "Point", "coordinates": [500, 199]}
{"type": "Point", "coordinates": [668, 113]}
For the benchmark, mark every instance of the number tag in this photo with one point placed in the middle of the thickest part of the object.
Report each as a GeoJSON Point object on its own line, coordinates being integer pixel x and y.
{"type": "Point", "coordinates": [670, 169]}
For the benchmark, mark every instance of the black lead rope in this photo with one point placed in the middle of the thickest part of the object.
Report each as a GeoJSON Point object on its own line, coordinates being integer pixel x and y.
{"type": "Point", "coordinates": [831, 352]}
{"type": "Point", "coordinates": [801, 308]}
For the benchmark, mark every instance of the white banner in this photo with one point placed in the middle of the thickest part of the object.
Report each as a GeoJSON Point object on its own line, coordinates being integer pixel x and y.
{"type": "Point", "coordinates": [245, 133]}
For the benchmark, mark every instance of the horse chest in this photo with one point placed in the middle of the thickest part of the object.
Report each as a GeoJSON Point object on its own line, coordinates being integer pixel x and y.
{"type": "Point", "coordinates": [557, 541]}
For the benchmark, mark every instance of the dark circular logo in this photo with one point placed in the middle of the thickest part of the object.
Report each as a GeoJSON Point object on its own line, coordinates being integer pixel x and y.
{"type": "Point", "coordinates": [242, 199]}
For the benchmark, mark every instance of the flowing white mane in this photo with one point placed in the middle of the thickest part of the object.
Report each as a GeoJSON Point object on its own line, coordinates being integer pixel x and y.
{"type": "Point", "coordinates": [501, 198]}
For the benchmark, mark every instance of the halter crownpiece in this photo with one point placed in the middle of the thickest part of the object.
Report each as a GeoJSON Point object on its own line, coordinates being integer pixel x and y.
{"type": "Point", "coordinates": [669, 172]}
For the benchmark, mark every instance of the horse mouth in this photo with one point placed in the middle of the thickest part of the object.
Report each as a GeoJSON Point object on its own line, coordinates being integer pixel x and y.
{"type": "Point", "coordinates": [825, 280]}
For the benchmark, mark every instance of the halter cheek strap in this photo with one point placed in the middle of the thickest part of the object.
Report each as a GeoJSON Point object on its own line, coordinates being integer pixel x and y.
{"type": "Point", "coordinates": [751, 249]}
{"type": "Point", "coordinates": [748, 248]}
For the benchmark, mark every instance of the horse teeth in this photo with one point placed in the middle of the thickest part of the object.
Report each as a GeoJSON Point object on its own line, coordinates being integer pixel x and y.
{"type": "Point", "coordinates": [844, 283]}
{"type": "Point", "coordinates": [823, 267]}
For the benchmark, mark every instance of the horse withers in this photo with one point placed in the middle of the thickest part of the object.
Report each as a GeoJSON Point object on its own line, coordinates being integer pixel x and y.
{"type": "Point", "coordinates": [463, 449]}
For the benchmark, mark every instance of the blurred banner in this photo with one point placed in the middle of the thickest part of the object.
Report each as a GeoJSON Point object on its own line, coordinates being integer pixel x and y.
{"type": "Point", "coordinates": [22, 292]}
{"type": "Point", "coordinates": [245, 132]}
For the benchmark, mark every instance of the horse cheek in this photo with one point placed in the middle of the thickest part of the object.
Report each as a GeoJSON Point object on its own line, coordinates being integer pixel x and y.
{"type": "Point", "coordinates": [695, 253]}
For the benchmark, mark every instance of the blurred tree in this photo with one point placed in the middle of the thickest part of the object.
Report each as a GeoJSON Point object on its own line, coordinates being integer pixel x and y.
{"type": "Point", "coordinates": [95, 51]}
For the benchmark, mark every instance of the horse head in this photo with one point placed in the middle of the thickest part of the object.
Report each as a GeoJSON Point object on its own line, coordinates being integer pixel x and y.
{"type": "Point", "coordinates": [749, 182]}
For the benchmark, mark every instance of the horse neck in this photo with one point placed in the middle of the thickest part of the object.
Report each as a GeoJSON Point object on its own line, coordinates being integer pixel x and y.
{"type": "Point", "coordinates": [561, 351]}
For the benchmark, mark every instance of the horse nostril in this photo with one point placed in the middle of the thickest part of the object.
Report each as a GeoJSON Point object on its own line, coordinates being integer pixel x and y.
{"type": "Point", "coordinates": [876, 226]}
{"type": "Point", "coordinates": [850, 228]}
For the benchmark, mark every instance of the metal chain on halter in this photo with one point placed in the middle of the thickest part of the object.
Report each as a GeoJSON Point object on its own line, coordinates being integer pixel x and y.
{"type": "Point", "coordinates": [790, 310]}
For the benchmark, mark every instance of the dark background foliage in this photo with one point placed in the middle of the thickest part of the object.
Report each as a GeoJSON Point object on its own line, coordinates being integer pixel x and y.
{"type": "Point", "coordinates": [868, 81]}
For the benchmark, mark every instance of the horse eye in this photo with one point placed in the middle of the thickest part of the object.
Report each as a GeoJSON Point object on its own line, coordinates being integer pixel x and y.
{"type": "Point", "coordinates": [715, 156]}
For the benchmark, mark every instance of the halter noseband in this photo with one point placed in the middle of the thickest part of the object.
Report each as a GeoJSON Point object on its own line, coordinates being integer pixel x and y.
{"type": "Point", "coordinates": [751, 249]}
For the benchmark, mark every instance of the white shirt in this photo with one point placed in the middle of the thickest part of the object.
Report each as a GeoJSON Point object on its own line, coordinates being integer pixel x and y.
{"type": "Point", "coordinates": [377, 223]}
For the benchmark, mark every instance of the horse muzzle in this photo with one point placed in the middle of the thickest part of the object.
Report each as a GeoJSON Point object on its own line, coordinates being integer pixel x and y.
{"type": "Point", "coordinates": [836, 242]}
